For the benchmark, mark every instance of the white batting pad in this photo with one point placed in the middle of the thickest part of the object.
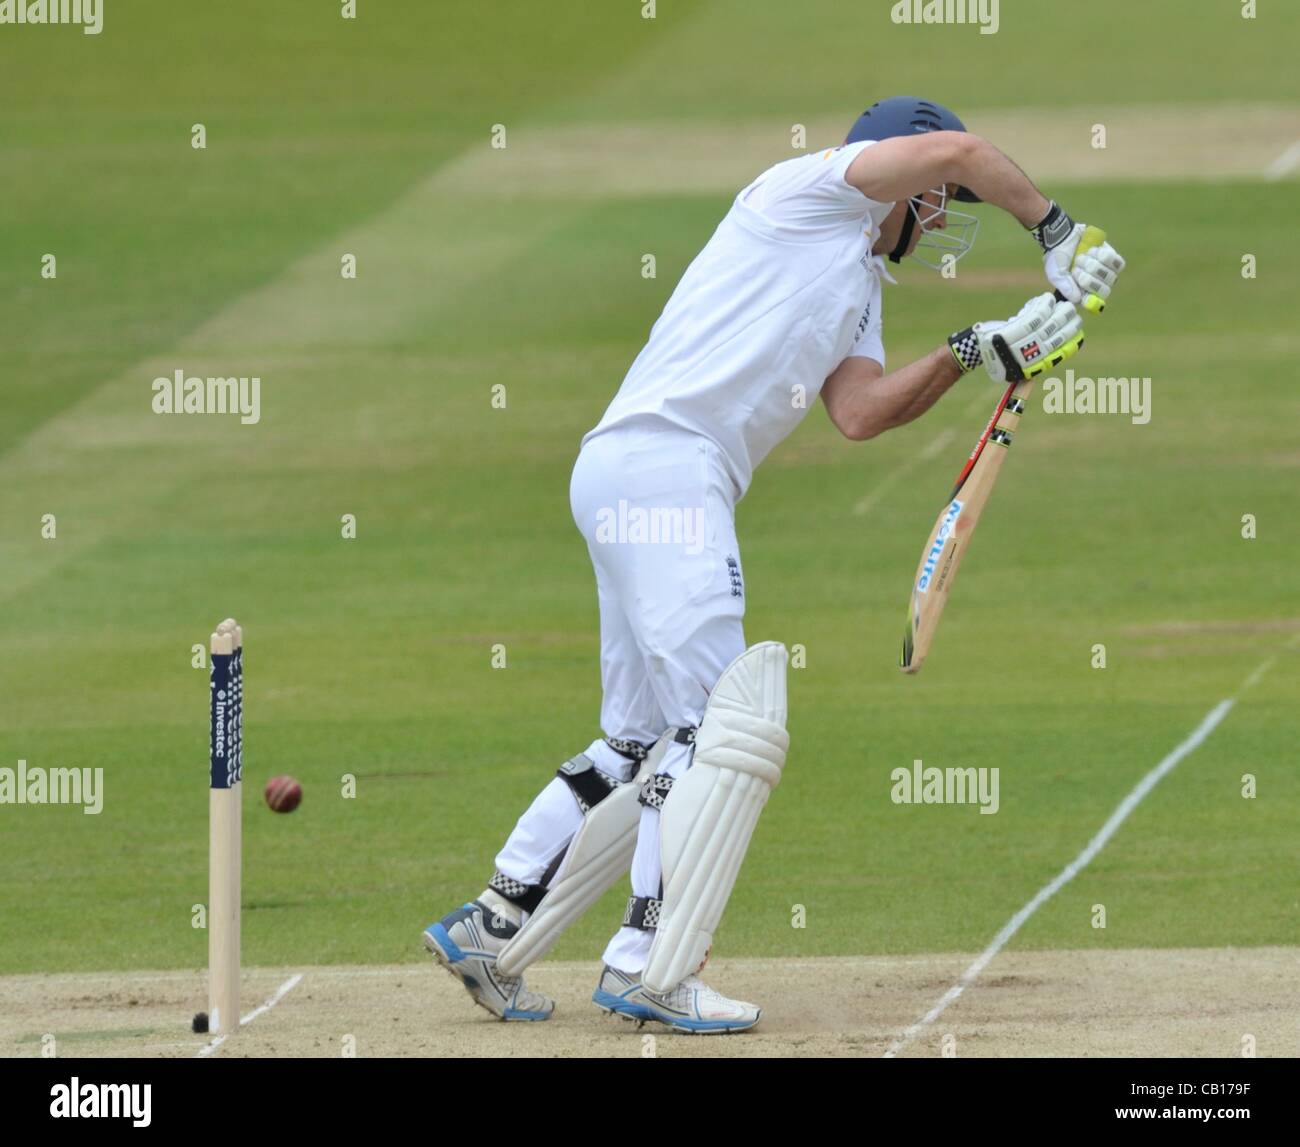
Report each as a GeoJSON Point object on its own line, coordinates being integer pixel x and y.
{"type": "Point", "coordinates": [710, 814]}
{"type": "Point", "coordinates": [599, 854]}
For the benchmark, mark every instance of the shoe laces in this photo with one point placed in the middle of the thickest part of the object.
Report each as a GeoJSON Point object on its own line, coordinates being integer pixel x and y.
{"type": "Point", "coordinates": [514, 987]}
{"type": "Point", "coordinates": [694, 983]}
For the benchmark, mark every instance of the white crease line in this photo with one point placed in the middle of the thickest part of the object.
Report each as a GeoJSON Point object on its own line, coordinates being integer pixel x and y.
{"type": "Point", "coordinates": [1285, 163]}
{"type": "Point", "coordinates": [280, 992]}
{"type": "Point", "coordinates": [209, 1048]}
{"type": "Point", "coordinates": [1260, 670]}
{"type": "Point", "coordinates": [1095, 845]}
{"type": "Point", "coordinates": [1126, 806]}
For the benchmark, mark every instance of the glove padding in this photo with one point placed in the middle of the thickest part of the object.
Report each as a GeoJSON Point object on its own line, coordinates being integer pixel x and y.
{"type": "Point", "coordinates": [1095, 271]}
{"type": "Point", "coordinates": [1077, 259]}
{"type": "Point", "coordinates": [1044, 333]}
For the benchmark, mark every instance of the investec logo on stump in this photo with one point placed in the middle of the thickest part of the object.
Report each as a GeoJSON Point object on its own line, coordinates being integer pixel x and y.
{"type": "Point", "coordinates": [88, 13]}
{"type": "Point", "coordinates": [77, 1100]}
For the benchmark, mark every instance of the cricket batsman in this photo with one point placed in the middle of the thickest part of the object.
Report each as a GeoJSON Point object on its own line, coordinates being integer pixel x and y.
{"type": "Point", "coordinates": [782, 305]}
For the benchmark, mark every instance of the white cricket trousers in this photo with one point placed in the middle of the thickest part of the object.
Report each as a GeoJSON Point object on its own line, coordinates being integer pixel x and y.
{"type": "Point", "coordinates": [657, 509]}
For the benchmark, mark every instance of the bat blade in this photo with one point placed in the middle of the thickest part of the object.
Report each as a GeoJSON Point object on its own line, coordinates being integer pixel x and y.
{"type": "Point", "coordinates": [955, 527]}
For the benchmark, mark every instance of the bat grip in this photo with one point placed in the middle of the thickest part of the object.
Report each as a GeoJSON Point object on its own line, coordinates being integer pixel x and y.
{"type": "Point", "coordinates": [1091, 303]}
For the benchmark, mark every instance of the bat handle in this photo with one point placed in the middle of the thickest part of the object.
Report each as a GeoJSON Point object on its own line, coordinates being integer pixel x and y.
{"type": "Point", "coordinates": [1092, 303]}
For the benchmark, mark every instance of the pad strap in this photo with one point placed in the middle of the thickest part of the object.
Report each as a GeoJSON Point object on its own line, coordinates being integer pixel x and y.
{"type": "Point", "coordinates": [527, 896]}
{"type": "Point", "coordinates": [632, 750]}
{"type": "Point", "coordinates": [642, 912]}
{"type": "Point", "coordinates": [587, 783]}
{"type": "Point", "coordinates": [655, 790]}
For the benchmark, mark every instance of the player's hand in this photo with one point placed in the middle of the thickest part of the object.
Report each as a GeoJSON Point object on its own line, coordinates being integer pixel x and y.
{"type": "Point", "coordinates": [1044, 333]}
{"type": "Point", "coordinates": [1095, 270]}
{"type": "Point", "coordinates": [1077, 259]}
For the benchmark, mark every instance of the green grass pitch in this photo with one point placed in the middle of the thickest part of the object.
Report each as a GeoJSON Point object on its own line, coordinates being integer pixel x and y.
{"type": "Point", "coordinates": [370, 657]}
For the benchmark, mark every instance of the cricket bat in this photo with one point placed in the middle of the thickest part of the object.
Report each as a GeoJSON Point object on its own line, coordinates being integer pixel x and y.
{"type": "Point", "coordinates": [955, 527]}
{"type": "Point", "coordinates": [952, 533]}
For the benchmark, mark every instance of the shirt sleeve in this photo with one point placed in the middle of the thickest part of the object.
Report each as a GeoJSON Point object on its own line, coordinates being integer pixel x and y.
{"type": "Point", "coordinates": [810, 192]}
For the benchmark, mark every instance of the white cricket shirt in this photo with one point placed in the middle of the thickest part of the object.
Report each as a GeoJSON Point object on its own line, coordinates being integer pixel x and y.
{"type": "Point", "coordinates": [783, 292]}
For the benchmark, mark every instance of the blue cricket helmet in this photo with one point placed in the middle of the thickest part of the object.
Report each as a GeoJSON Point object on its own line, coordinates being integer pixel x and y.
{"type": "Point", "coordinates": [907, 115]}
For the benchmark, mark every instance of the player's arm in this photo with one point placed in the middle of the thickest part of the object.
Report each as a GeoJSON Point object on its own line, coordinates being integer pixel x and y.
{"type": "Point", "coordinates": [863, 401]}
{"type": "Point", "coordinates": [899, 168]}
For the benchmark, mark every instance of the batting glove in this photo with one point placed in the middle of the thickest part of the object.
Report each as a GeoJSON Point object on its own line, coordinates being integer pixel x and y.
{"type": "Point", "coordinates": [1095, 271]}
{"type": "Point", "coordinates": [1044, 334]}
{"type": "Point", "coordinates": [1077, 259]}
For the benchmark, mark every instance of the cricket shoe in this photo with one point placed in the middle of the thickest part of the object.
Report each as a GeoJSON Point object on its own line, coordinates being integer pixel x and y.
{"type": "Point", "coordinates": [692, 1006]}
{"type": "Point", "coordinates": [467, 943]}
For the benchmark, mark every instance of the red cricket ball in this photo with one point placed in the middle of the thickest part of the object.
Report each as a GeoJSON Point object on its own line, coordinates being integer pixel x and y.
{"type": "Point", "coordinates": [283, 794]}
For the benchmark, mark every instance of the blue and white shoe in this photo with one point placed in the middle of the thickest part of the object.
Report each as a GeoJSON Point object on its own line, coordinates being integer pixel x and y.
{"type": "Point", "coordinates": [692, 1006]}
{"type": "Point", "coordinates": [467, 942]}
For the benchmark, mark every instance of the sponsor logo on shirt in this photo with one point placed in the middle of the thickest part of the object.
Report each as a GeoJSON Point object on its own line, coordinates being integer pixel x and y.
{"type": "Point", "coordinates": [733, 572]}
{"type": "Point", "coordinates": [862, 323]}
